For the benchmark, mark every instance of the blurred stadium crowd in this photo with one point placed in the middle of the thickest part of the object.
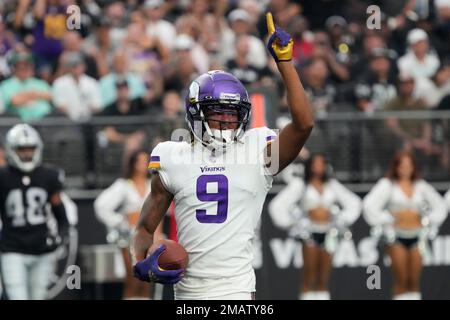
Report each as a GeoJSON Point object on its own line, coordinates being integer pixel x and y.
{"type": "Point", "coordinates": [137, 57]}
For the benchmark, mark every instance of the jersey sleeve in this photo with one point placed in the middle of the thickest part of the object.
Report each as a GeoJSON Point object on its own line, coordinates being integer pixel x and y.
{"type": "Point", "coordinates": [266, 137]}
{"type": "Point", "coordinates": [260, 139]}
{"type": "Point", "coordinates": [160, 163]}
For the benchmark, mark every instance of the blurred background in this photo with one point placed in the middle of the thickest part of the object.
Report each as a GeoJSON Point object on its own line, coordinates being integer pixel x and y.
{"type": "Point", "coordinates": [375, 89]}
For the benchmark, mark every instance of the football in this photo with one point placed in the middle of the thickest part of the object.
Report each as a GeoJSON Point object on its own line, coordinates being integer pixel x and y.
{"type": "Point", "coordinates": [174, 257]}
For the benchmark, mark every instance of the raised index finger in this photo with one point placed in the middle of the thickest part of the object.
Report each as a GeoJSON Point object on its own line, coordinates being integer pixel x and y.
{"type": "Point", "coordinates": [270, 24]}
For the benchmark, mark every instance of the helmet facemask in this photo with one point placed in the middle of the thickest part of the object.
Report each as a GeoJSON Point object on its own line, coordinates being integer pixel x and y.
{"type": "Point", "coordinates": [220, 124]}
{"type": "Point", "coordinates": [217, 109]}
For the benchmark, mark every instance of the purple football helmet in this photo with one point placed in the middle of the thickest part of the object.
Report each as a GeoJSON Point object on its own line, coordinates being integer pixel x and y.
{"type": "Point", "coordinates": [220, 92]}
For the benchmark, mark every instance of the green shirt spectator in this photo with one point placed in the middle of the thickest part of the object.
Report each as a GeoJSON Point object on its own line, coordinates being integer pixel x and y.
{"type": "Point", "coordinates": [23, 95]}
{"type": "Point", "coordinates": [109, 90]}
{"type": "Point", "coordinates": [121, 72]}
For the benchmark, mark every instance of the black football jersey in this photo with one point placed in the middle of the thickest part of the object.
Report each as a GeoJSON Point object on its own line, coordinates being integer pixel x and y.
{"type": "Point", "coordinates": [24, 199]}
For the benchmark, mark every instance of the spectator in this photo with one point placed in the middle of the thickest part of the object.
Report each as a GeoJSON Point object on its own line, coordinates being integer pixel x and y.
{"type": "Point", "coordinates": [375, 88]}
{"type": "Point", "coordinates": [115, 13]}
{"type": "Point", "coordinates": [239, 67]}
{"type": "Point", "coordinates": [341, 42]}
{"type": "Point", "coordinates": [361, 58]}
{"type": "Point", "coordinates": [253, 8]}
{"type": "Point", "coordinates": [135, 84]}
{"type": "Point", "coordinates": [433, 90]}
{"type": "Point", "coordinates": [323, 49]}
{"type": "Point", "coordinates": [24, 95]}
{"type": "Point", "coordinates": [99, 45]}
{"type": "Point", "coordinates": [198, 54]}
{"type": "Point", "coordinates": [7, 42]}
{"type": "Point", "coordinates": [414, 134]}
{"type": "Point", "coordinates": [418, 61]}
{"type": "Point", "coordinates": [303, 39]}
{"type": "Point", "coordinates": [50, 16]}
{"type": "Point", "coordinates": [22, 8]}
{"type": "Point", "coordinates": [72, 42]}
{"type": "Point", "coordinates": [283, 12]}
{"type": "Point", "coordinates": [172, 115]}
{"type": "Point", "coordinates": [146, 56]}
{"type": "Point", "coordinates": [209, 24]}
{"type": "Point", "coordinates": [181, 68]}
{"type": "Point", "coordinates": [321, 93]}
{"type": "Point", "coordinates": [157, 26]}
{"type": "Point", "coordinates": [130, 136]}
{"type": "Point", "coordinates": [240, 25]}
{"type": "Point", "coordinates": [76, 94]}
{"type": "Point", "coordinates": [441, 30]}
{"type": "Point", "coordinates": [443, 9]}
{"type": "Point", "coordinates": [124, 104]}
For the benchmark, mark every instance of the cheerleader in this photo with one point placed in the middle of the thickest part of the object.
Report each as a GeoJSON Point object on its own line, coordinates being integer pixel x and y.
{"type": "Point", "coordinates": [406, 208]}
{"type": "Point", "coordinates": [316, 210]}
{"type": "Point", "coordinates": [118, 207]}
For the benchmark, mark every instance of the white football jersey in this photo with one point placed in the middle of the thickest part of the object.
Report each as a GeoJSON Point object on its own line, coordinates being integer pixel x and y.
{"type": "Point", "coordinates": [218, 203]}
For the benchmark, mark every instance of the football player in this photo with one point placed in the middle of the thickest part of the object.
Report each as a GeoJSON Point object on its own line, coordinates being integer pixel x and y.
{"type": "Point", "coordinates": [27, 190]}
{"type": "Point", "coordinates": [218, 196]}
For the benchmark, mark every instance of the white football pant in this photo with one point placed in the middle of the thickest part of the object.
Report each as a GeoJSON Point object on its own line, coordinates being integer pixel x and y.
{"type": "Point", "coordinates": [26, 277]}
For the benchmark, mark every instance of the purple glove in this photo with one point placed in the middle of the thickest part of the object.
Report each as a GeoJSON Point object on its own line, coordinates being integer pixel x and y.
{"type": "Point", "coordinates": [149, 271]}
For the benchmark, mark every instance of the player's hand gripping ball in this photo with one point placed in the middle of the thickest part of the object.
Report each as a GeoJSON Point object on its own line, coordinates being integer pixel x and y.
{"type": "Point", "coordinates": [280, 44]}
{"type": "Point", "coordinates": [166, 263]}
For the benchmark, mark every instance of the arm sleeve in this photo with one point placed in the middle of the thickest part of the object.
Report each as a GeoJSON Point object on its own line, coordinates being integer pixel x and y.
{"type": "Point", "coordinates": [350, 203]}
{"type": "Point", "coordinates": [281, 206]}
{"type": "Point", "coordinates": [56, 183]}
{"type": "Point", "coordinates": [374, 204]}
{"type": "Point", "coordinates": [438, 212]}
{"type": "Point", "coordinates": [107, 202]}
{"type": "Point", "coordinates": [59, 211]}
{"type": "Point", "coordinates": [264, 138]}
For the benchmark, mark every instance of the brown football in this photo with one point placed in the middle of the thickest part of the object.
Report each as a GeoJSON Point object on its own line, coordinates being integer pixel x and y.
{"type": "Point", "coordinates": [174, 257]}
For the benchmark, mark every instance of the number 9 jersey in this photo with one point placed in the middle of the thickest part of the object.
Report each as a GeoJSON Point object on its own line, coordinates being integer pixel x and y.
{"type": "Point", "coordinates": [24, 207]}
{"type": "Point", "coordinates": [218, 202]}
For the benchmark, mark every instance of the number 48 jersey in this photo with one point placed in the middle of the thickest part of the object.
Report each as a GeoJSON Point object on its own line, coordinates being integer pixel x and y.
{"type": "Point", "coordinates": [218, 203]}
{"type": "Point", "coordinates": [24, 198]}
